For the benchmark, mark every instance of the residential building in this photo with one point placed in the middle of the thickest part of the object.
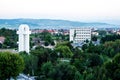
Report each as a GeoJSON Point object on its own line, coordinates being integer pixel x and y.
{"type": "Point", "coordinates": [80, 35]}
{"type": "Point", "coordinates": [118, 32]}
{"type": "Point", "coordinates": [95, 33]}
{"type": "Point", "coordinates": [2, 39]}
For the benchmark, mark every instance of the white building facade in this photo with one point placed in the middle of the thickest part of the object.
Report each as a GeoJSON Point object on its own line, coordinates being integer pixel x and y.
{"type": "Point", "coordinates": [23, 42]}
{"type": "Point", "coordinates": [80, 35]}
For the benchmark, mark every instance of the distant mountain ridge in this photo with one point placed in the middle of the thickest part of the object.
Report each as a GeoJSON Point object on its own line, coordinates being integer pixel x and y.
{"type": "Point", "coordinates": [50, 24]}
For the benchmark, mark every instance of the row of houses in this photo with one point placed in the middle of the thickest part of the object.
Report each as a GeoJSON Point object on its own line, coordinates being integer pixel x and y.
{"type": "Point", "coordinates": [52, 31]}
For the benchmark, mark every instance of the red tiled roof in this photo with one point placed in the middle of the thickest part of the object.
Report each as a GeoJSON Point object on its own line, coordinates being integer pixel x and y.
{"type": "Point", "coordinates": [2, 39]}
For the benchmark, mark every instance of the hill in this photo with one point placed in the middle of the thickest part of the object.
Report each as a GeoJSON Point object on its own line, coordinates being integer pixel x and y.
{"type": "Point", "coordinates": [50, 24]}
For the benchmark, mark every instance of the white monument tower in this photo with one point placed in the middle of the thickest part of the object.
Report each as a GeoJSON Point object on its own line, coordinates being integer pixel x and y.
{"type": "Point", "coordinates": [23, 33]}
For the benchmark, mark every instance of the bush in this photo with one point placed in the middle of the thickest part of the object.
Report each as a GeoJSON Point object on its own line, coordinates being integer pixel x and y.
{"type": "Point", "coordinates": [52, 43]}
{"type": "Point", "coordinates": [46, 43]}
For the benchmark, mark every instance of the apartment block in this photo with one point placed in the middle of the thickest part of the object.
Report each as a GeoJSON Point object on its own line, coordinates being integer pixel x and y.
{"type": "Point", "coordinates": [80, 35]}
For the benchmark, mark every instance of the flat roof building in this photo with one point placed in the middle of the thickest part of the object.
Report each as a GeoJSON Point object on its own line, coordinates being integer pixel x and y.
{"type": "Point", "coordinates": [80, 35]}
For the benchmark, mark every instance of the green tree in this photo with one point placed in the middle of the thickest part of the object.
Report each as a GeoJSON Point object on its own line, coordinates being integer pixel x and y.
{"type": "Point", "coordinates": [102, 33]}
{"type": "Point", "coordinates": [80, 61]}
{"type": "Point", "coordinates": [46, 69]}
{"type": "Point", "coordinates": [78, 76]}
{"type": "Point", "coordinates": [94, 38]}
{"type": "Point", "coordinates": [46, 36]}
{"type": "Point", "coordinates": [98, 49]}
{"type": "Point", "coordinates": [111, 48]}
{"type": "Point", "coordinates": [65, 71]}
{"type": "Point", "coordinates": [43, 55]}
{"type": "Point", "coordinates": [1, 45]}
{"type": "Point", "coordinates": [65, 43]}
{"type": "Point", "coordinates": [116, 59]}
{"type": "Point", "coordinates": [113, 68]}
{"type": "Point", "coordinates": [116, 74]}
{"type": "Point", "coordinates": [46, 43]}
{"type": "Point", "coordinates": [95, 60]}
{"type": "Point", "coordinates": [52, 43]}
{"type": "Point", "coordinates": [112, 37]}
{"type": "Point", "coordinates": [60, 71]}
{"type": "Point", "coordinates": [64, 51]}
{"type": "Point", "coordinates": [10, 38]}
{"type": "Point", "coordinates": [84, 47]}
{"type": "Point", "coordinates": [110, 68]}
{"type": "Point", "coordinates": [31, 62]}
{"type": "Point", "coordinates": [10, 65]}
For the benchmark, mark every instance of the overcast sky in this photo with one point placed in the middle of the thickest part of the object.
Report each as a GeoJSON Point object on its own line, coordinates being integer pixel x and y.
{"type": "Point", "coordinates": [77, 10]}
